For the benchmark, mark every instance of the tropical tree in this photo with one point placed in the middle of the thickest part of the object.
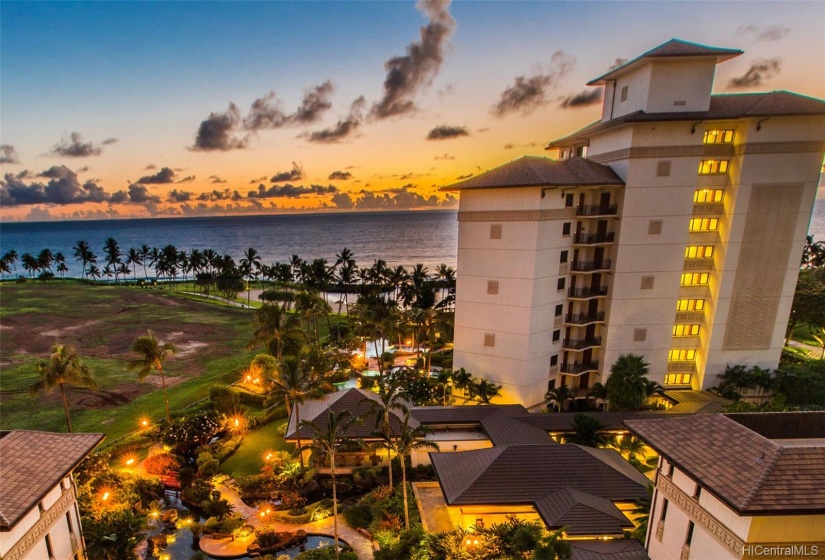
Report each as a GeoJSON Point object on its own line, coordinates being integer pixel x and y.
{"type": "Point", "coordinates": [134, 257]}
{"type": "Point", "coordinates": [112, 251]}
{"type": "Point", "coordinates": [94, 272]}
{"type": "Point", "coordinates": [251, 267]}
{"type": "Point", "coordinates": [627, 384]}
{"type": "Point", "coordinates": [588, 431]}
{"type": "Point", "coordinates": [553, 547]}
{"type": "Point", "coordinates": [61, 267]}
{"type": "Point", "coordinates": [10, 258]}
{"type": "Point", "coordinates": [29, 263]}
{"type": "Point", "coordinates": [641, 513]}
{"type": "Point", "coordinates": [327, 441]}
{"type": "Point", "coordinates": [484, 391]}
{"type": "Point", "coordinates": [273, 324]}
{"type": "Point", "coordinates": [310, 306]}
{"type": "Point", "coordinates": [291, 386]}
{"type": "Point", "coordinates": [390, 400]}
{"type": "Point", "coordinates": [151, 355]}
{"type": "Point", "coordinates": [408, 440]}
{"type": "Point", "coordinates": [63, 368]}
{"type": "Point", "coordinates": [4, 268]}
{"type": "Point", "coordinates": [813, 254]}
{"type": "Point", "coordinates": [558, 395]}
{"type": "Point", "coordinates": [45, 259]}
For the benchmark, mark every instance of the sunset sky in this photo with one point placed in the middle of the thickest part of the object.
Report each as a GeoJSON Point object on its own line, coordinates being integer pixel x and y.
{"type": "Point", "coordinates": [114, 109]}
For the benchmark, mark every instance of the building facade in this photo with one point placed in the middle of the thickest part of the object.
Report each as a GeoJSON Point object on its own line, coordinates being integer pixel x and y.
{"type": "Point", "coordinates": [672, 228]}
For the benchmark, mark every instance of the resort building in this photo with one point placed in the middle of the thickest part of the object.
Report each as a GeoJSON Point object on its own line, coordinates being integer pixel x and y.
{"type": "Point", "coordinates": [39, 518]}
{"type": "Point", "coordinates": [672, 228]}
{"type": "Point", "coordinates": [737, 486]}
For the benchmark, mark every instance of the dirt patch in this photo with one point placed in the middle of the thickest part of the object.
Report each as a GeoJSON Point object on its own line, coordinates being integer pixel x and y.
{"type": "Point", "coordinates": [60, 333]}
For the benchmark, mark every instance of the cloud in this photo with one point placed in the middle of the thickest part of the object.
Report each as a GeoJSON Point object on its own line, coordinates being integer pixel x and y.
{"type": "Point", "coordinates": [467, 176]}
{"type": "Point", "coordinates": [178, 196]}
{"type": "Point", "coordinates": [769, 33]}
{"type": "Point", "coordinates": [216, 179]}
{"type": "Point", "coordinates": [394, 199]}
{"type": "Point", "coordinates": [343, 128]}
{"type": "Point", "coordinates": [216, 133]}
{"type": "Point", "coordinates": [528, 93]}
{"type": "Point", "coordinates": [446, 157]}
{"type": "Point", "coordinates": [119, 197]}
{"type": "Point", "coordinates": [110, 141]}
{"type": "Point", "coordinates": [294, 174]}
{"type": "Point", "coordinates": [313, 105]}
{"type": "Point", "coordinates": [74, 146]}
{"type": "Point", "coordinates": [215, 195]}
{"type": "Point", "coordinates": [165, 175]}
{"type": "Point", "coordinates": [8, 154]}
{"type": "Point", "coordinates": [618, 62]}
{"type": "Point", "coordinates": [340, 176]}
{"type": "Point", "coordinates": [759, 73]}
{"type": "Point", "coordinates": [582, 99]}
{"type": "Point", "coordinates": [343, 200]}
{"type": "Point", "coordinates": [62, 188]}
{"type": "Point", "coordinates": [267, 112]}
{"type": "Point", "coordinates": [511, 146]}
{"type": "Point", "coordinates": [150, 167]}
{"type": "Point", "coordinates": [290, 191]}
{"type": "Point", "coordinates": [139, 194]}
{"type": "Point", "coordinates": [187, 179]}
{"type": "Point", "coordinates": [407, 74]}
{"type": "Point", "coordinates": [444, 132]}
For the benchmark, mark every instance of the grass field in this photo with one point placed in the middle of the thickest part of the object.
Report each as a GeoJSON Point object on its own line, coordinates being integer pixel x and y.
{"type": "Point", "coordinates": [248, 459]}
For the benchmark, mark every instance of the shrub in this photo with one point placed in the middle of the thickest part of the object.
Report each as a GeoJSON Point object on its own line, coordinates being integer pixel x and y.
{"type": "Point", "coordinates": [251, 399]}
{"type": "Point", "coordinates": [267, 537]}
{"type": "Point", "coordinates": [224, 398]}
{"type": "Point", "coordinates": [359, 515]}
{"type": "Point", "coordinates": [292, 500]}
{"type": "Point", "coordinates": [208, 466]}
{"type": "Point", "coordinates": [198, 492]}
{"type": "Point", "coordinates": [327, 553]}
{"type": "Point", "coordinates": [162, 464]}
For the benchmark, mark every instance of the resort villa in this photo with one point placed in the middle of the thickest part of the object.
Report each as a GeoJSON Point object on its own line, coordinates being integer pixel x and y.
{"type": "Point", "coordinates": [672, 228]}
{"type": "Point", "coordinates": [737, 486]}
{"type": "Point", "coordinates": [39, 518]}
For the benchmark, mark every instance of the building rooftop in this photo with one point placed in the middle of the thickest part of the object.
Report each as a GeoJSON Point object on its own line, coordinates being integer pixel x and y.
{"type": "Point", "coordinates": [462, 414]}
{"type": "Point", "coordinates": [749, 472]}
{"type": "Point", "coordinates": [675, 48]}
{"type": "Point", "coordinates": [502, 429]}
{"type": "Point", "coordinates": [615, 549]}
{"type": "Point", "coordinates": [532, 171]}
{"type": "Point", "coordinates": [32, 463]}
{"type": "Point", "coordinates": [722, 107]}
{"type": "Point", "coordinates": [581, 513]}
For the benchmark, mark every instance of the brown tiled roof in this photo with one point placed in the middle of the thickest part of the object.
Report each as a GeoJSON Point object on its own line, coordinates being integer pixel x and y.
{"type": "Point", "coordinates": [522, 474]}
{"type": "Point", "coordinates": [783, 425]}
{"type": "Point", "coordinates": [32, 463]}
{"type": "Point", "coordinates": [673, 48]}
{"type": "Point", "coordinates": [462, 414]}
{"type": "Point", "coordinates": [581, 513]}
{"type": "Point", "coordinates": [562, 422]}
{"type": "Point", "coordinates": [695, 402]}
{"type": "Point", "coordinates": [616, 549]}
{"type": "Point", "coordinates": [504, 430]}
{"type": "Point", "coordinates": [532, 171]}
{"type": "Point", "coordinates": [357, 402]}
{"type": "Point", "coordinates": [722, 107]}
{"type": "Point", "coordinates": [750, 473]}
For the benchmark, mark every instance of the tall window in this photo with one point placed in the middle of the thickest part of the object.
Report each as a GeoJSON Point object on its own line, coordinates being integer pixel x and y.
{"type": "Point", "coordinates": [689, 536]}
{"type": "Point", "coordinates": [704, 224]}
{"type": "Point", "coordinates": [681, 355]}
{"type": "Point", "coordinates": [699, 251]}
{"type": "Point", "coordinates": [685, 330]}
{"type": "Point", "coordinates": [713, 166]}
{"type": "Point", "coordinates": [695, 279]}
{"type": "Point", "coordinates": [718, 137]}
{"type": "Point", "coordinates": [690, 305]}
{"type": "Point", "coordinates": [705, 196]}
{"type": "Point", "coordinates": [664, 507]}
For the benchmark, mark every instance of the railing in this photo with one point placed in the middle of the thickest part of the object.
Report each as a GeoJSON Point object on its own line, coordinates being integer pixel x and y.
{"type": "Point", "coordinates": [590, 238]}
{"type": "Point", "coordinates": [683, 365]}
{"type": "Point", "coordinates": [581, 319]}
{"type": "Point", "coordinates": [581, 344]}
{"type": "Point", "coordinates": [596, 210]}
{"type": "Point", "coordinates": [590, 266]}
{"type": "Point", "coordinates": [576, 368]}
{"type": "Point", "coordinates": [587, 292]}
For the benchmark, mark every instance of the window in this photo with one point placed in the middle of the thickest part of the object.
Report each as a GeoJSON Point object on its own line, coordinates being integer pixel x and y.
{"type": "Point", "coordinates": [654, 227]}
{"type": "Point", "coordinates": [639, 335]}
{"type": "Point", "coordinates": [563, 257]}
{"type": "Point", "coordinates": [718, 137]}
{"type": "Point", "coordinates": [685, 330]}
{"type": "Point", "coordinates": [554, 360]}
{"type": "Point", "coordinates": [495, 231]}
{"type": "Point", "coordinates": [689, 536]}
{"type": "Point", "coordinates": [489, 339]}
{"type": "Point", "coordinates": [681, 355]}
{"type": "Point", "coordinates": [707, 196]}
{"type": "Point", "coordinates": [699, 251]}
{"type": "Point", "coordinates": [41, 508]}
{"type": "Point", "coordinates": [557, 335]}
{"type": "Point", "coordinates": [690, 305]}
{"type": "Point", "coordinates": [560, 284]}
{"type": "Point", "coordinates": [664, 502]}
{"type": "Point", "coordinates": [565, 228]}
{"type": "Point", "coordinates": [69, 522]}
{"type": "Point", "coordinates": [647, 282]}
{"type": "Point", "coordinates": [697, 492]}
{"type": "Point", "coordinates": [704, 224]}
{"type": "Point", "coordinates": [624, 93]}
{"type": "Point", "coordinates": [568, 200]}
{"type": "Point", "coordinates": [559, 310]}
{"type": "Point", "coordinates": [49, 549]}
{"type": "Point", "coordinates": [670, 470]}
{"type": "Point", "coordinates": [713, 166]}
{"type": "Point", "coordinates": [492, 287]}
{"type": "Point", "coordinates": [678, 379]}
{"type": "Point", "coordinates": [663, 169]}
{"type": "Point", "coordinates": [694, 279]}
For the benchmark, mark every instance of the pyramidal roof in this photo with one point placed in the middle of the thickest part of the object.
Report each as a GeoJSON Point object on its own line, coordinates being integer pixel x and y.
{"type": "Point", "coordinates": [671, 49]}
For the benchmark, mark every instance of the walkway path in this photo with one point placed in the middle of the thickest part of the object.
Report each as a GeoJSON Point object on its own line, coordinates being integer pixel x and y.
{"type": "Point", "coordinates": [234, 548]}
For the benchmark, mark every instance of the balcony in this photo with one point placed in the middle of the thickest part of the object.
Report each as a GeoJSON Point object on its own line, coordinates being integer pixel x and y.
{"type": "Point", "coordinates": [584, 319]}
{"type": "Point", "coordinates": [590, 266]}
{"type": "Point", "coordinates": [593, 238]}
{"type": "Point", "coordinates": [587, 293]}
{"type": "Point", "coordinates": [578, 369]}
{"type": "Point", "coordinates": [686, 366]}
{"type": "Point", "coordinates": [577, 345]}
{"type": "Point", "coordinates": [596, 210]}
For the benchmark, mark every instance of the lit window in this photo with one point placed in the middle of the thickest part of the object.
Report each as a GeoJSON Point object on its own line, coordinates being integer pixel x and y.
{"type": "Point", "coordinates": [713, 166]}
{"type": "Point", "coordinates": [681, 355]}
{"type": "Point", "coordinates": [690, 305]}
{"type": "Point", "coordinates": [705, 196]}
{"type": "Point", "coordinates": [695, 279]}
{"type": "Point", "coordinates": [718, 137]}
{"type": "Point", "coordinates": [704, 224]}
{"type": "Point", "coordinates": [699, 251]}
{"type": "Point", "coordinates": [685, 330]}
{"type": "Point", "coordinates": [678, 378]}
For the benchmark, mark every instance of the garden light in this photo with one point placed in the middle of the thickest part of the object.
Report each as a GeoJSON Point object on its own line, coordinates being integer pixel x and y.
{"type": "Point", "coordinates": [105, 496]}
{"type": "Point", "coordinates": [144, 423]}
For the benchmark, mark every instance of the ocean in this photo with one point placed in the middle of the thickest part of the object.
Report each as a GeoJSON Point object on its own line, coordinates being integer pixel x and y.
{"type": "Point", "coordinates": [405, 238]}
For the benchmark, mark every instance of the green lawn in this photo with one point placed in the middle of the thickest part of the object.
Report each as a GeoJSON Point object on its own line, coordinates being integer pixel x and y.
{"type": "Point", "coordinates": [248, 459]}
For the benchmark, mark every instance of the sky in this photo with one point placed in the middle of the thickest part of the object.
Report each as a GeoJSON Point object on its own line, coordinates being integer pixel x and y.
{"type": "Point", "coordinates": [158, 109]}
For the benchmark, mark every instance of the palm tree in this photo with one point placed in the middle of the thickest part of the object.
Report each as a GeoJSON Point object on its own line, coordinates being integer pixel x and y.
{"type": "Point", "coordinates": [134, 257]}
{"type": "Point", "coordinates": [272, 324]}
{"type": "Point", "coordinates": [81, 253]}
{"type": "Point", "coordinates": [10, 257]}
{"type": "Point", "coordinates": [251, 266]}
{"type": "Point", "coordinates": [291, 386]}
{"type": "Point", "coordinates": [94, 272]}
{"type": "Point", "coordinates": [588, 431]}
{"type": "Point", "coordinates": [61, 267]}
{"type": "Point", "coordinates": [145, 255]}
{"type": "Point", "coordinates": [627, 384]}
{"type": "Point", "coordinates": [389, 401]}
{"type": "Point", "coordinates": [45, 260]}
{"type": "Point", "coordinates": [327, 441]}
{"type": "Point", "coordinates": [30, 264]}
{"type": "Point", "coordinates": [558, 395]}
{"type": "Point", "coordinates": [112, 251]}
{"type": "Point", "coordinates": [485, 391]}
{"type": "Point", "coordinates": [642, 515]}
{"type": "Point", "coordinates": [409, 439]}
{"type": "Point", "coordinates": [63, 368]}
{"type": "Point", "coordinates": [598, 392]}
{"type": "Point", "coordinates": [553, 547]}
{"type": "Point", "coordinates": [151, 355]}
